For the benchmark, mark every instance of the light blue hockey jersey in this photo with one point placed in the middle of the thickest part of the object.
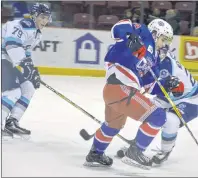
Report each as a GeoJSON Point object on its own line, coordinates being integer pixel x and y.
{"type": "Point", "coordinates": [19, 37]}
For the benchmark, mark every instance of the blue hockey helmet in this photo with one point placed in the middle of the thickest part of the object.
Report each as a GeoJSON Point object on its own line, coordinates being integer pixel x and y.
{"type": "Point", "coordinates": [40, 8]}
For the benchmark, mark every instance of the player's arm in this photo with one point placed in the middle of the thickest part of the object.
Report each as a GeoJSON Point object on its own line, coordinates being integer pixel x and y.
{"type": "Point", "coordinates": [30, 72]}
{"type": "Point", "coordinates": [14, 38]}
{"type": "Point", "coordinates": [125, 27]}
{"type": "Point", "coordinates": [170, 82]}
{"type": "Point", "coordinates": [121, 29]}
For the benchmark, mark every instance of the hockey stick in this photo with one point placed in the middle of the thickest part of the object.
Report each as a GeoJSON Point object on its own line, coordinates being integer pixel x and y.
{"type": "Point", "coordinates": [172, 104]}
{"type": "Point", "coordinates": [86, 136]}
{"type": "Point", "coordinates": [83, 131]}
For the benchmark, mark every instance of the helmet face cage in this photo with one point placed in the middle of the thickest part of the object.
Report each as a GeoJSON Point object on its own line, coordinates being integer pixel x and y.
{"type": "Point", "coordinates": [38, 9]}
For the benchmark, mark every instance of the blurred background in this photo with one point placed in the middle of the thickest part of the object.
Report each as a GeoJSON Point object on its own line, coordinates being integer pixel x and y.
{"type": "Point", "coordinates": [101, 15]}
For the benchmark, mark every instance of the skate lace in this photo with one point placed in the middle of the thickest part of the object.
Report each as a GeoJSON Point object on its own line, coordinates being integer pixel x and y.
{"type": "Point", "coordinates": [146, 158]}
{"type": "Point", "coordinates": [105, 158]}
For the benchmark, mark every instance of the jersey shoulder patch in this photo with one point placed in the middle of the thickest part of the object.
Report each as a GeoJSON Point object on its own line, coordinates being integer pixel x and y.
{"type": "Point", "coordinates": [27, 24]}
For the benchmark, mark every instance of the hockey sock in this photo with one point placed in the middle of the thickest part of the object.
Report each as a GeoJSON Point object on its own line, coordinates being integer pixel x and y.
{"type": "Point", "coordinates": [7, 106]}
{"type": "Point", "coordinates": [150, 128]}
{"type": "Point", "coordinates": [20, 107]}
{"type": "Point", "coordinates": [8, 100]}
{"type": "Point", "coordinates": [168, 141]}
{"type": "Point", "coordinates": [27, 91]}
{"type": "Point", "coordinates": [169, 131]}
{"type": "Point", "coordinates": [103, 137]}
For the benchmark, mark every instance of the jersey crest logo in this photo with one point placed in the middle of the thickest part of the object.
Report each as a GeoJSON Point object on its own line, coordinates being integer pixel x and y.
{"type": "Point", "coordinates": [164, 73]}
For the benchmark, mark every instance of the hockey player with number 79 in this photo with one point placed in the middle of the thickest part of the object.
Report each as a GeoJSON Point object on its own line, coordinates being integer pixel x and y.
{"type": "Point", "coordinates": [18, 87]}
{"type": "Point", "coordinates": [122, 95]}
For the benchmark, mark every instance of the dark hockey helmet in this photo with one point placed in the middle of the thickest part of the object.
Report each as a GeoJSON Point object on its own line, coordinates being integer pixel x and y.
{"type": "Point", "coordinates": [40, 8]}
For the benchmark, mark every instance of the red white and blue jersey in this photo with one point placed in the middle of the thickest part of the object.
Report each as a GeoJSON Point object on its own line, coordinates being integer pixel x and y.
{"type": "Point", "coordinates": [120, 60]}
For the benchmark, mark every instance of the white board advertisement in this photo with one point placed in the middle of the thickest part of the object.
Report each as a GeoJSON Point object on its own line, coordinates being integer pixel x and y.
{"type": "Point", "coordinates": [72, 48]}
{"type": "Point", "coordinates": [75, 48]}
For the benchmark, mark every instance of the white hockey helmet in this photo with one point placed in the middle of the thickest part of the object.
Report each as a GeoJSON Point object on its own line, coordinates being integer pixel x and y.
{"type": "Point", "coordinates": [161, 27]}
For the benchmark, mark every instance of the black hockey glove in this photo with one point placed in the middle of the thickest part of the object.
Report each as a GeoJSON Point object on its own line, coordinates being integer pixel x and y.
{"type": "Point", "coordinates": [30, 72]}
{"type": "Point", "coordinates": [136, 46]}
{"type": "Point", "coordinates": [171, 82]}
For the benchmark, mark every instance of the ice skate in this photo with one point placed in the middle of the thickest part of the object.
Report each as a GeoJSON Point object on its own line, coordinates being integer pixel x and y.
{"type": "Point", "coordinates": [93, 159]}
{"type": "Point", "coordinates": [135, 157]}
{"type": "Point", "coordinates": [121, 152]}
{"type": "Point", "coordinates": [160, 157]}
{"type": "Point", "coordinates": [6, 133]}
{"type": "Point", "coordinates": [12, 125]}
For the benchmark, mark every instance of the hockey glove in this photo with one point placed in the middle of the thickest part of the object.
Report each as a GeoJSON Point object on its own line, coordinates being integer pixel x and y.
{"type": "Point", "coordinates": [36, 78]}
{"type": "Point", "coordinates": [174, 85]}
{"type": "Point", "coordinates": [30, 72]}
{"type": "Point", "coordinates": [136, 46]}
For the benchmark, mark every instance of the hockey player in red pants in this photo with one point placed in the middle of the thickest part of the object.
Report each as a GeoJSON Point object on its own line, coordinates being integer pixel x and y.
{"type": "Point", "coordinates": [122, 97]}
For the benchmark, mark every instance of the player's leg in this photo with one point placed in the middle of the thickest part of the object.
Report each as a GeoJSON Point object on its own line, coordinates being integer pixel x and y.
{"type": "Point", "coordinates": [114, 121]}
{"type": "Point", "coordinates": [123, 102]}
{"type": "Point", "coordinates": [189, 110]}
{"type": "Point", "coordinates": [10, 90]}
{"type": "Point", "coordinates": [27, 91]}
{"type": "Point", "coordinates": [153, 118]}
{"type": "Point", "coordinates": [168, 138]}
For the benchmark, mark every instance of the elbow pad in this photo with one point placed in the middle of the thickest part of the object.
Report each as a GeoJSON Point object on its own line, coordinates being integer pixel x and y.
{"type": "Point", "coordinates": [16, 55]}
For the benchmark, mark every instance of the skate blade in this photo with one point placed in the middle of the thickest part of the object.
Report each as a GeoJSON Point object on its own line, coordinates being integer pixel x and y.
{"type": "Point", "coordinates": [23, 136]}
{"type": "Point", "coordinates": [95, 164]}
{"type": "Point", "coordinates": [16, 137]}
{"type": "Point", "coordinates": [7, 138]}
{"type": "Point", "coordinates": [156, 165]}
{"type": "Point", "coordinates": [131, 162]}
{"type": "Point", "coordinates": [117, 157]}
{"type": "Point", "coordinates": [20, 131]}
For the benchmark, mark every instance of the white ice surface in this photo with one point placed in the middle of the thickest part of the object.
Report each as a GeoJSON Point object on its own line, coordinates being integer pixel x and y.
{"type": "Point", "coordinates": [56, 149]}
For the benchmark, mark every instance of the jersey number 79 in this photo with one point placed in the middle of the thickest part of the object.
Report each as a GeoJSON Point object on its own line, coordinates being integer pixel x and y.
{"type": "Point", "coordinates": [18, 31]}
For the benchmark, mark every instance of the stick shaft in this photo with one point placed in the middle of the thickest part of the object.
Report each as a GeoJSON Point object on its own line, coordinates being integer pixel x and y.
{"type": "Point", "coordinates": [78, 107]}
{"type": "Point", "coordinates": [173, 105]}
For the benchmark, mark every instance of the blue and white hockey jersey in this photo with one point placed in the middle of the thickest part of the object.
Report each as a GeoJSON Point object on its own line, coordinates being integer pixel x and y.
{"type": "Point", "coordinates": [119, 59]}
{"type": "Point", "coordinates": [171, 66]}
{"type": "Point", "coordinates": [18, 38]}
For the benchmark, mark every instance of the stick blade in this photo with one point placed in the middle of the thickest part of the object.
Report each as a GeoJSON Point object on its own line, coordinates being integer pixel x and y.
{"type": "Point", "coordinates": [84, 134]}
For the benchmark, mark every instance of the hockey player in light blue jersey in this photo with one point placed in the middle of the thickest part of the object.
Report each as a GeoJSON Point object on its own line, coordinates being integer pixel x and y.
{"type": "Point", "coordinates": [183, 90]}
{"type": "Point", "coordinates": [19, 37]}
